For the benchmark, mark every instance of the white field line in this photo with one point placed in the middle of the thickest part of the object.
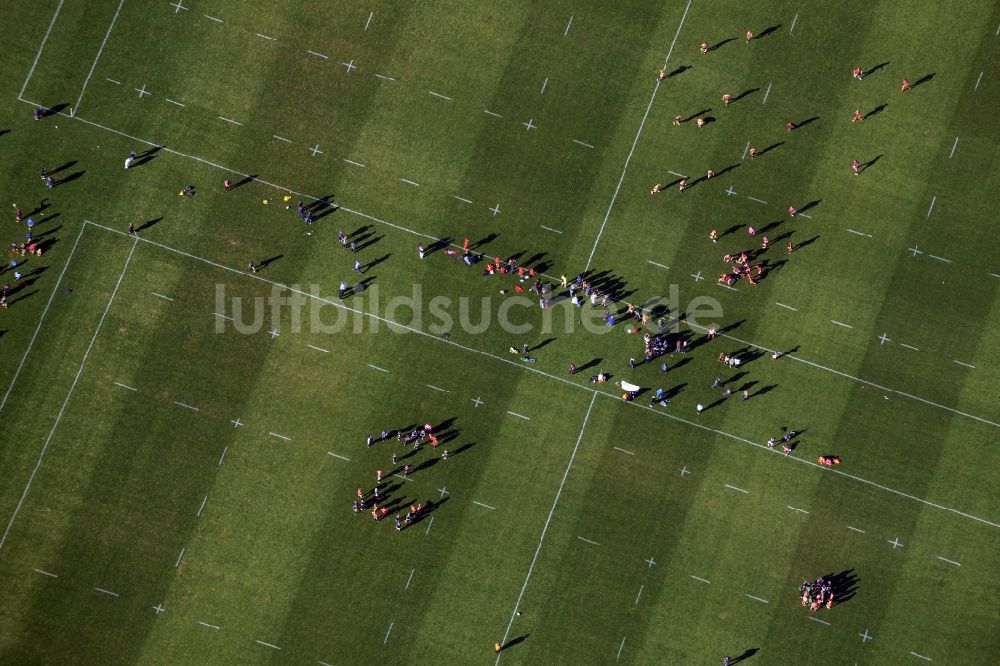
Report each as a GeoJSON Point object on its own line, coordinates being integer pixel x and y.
{"type": "Point", "coordinates": [745, 149]}
{"type": "Point", "coordinates": [620, 648]}
{"type": "Point", "coordinates": [635, 141]}
{"type": "Point", "coordinates": [210, 626]}
{"type": "Point", "coordinates": [840, 323]}
{"type": "Point", "coordinates": [176, 103]}
{"type": "Point", "coordinates": [125, 386]}
{"type": "Point", "coordinates": [436, 94]}
{"type": "Point", "coordinates": [908, 346]}
{"type": "Point", "coordinates": [920, 656]}
{"type": "Point", "coordinates": [410, 182]}
{"type": "Point", "coordinates": [179, 557]}
{"type": "Point", "coordinates": [436, 388]}
{"type": "Point", "coordinates": [46, 573]}
{"type": "Point", "coordinates": [747, 492]}
{"type": "Point", "coordinates": [38, 54]}
{"type": "Point", "coordinates": [792, 29]}
{"type": "Point", "coordinates": [273, 39]}
{"type": "Point", "coordinates": [520, 416]}
{"type": "Point", "coordinates": [274, 434]}
{"type": "Point", "coordinates": [409, 580]}
{"type": "Point", "coordinates": [107, 592]}
{"type": "Point", "coordinates": [369, 21]}
{"type": "Point", "coordinates": [117, 83]}
{"type": "Point", "coordinates": [766, 93]}
{"type": "Point", "coordinates": [212, 18]}
{"type": "Point", "coordinates": [376, 367]}
{"type": "Point", "coordinates": [860, 233]}
{"type": "Point", "coordinates": [202, 507]}
{"type": "Point", "coordinates": [638, 595]}
{"type": "Point", "coordinates": [223, 456]}
{"type": "Point", "coordinates": [756, 199]}
{"type": "Point", "coordinates": [490, 113]}
{"type": "Point", "coordinates": [585, 145]}
{"type": "Point", "coordinates": [186, 406]}
{"type": "Point", "coordinates": [816, 619]}
{"type": "Point", "coordinates": [320, 349]}
{"type": "Point", "coordinates": [804, 215]}
{"type": "Point", "coordinates": [624, 451]}
{"type": "Point", "coordinates": [953, 147]}
{"type": "Point", "coordinates": [994, 275]}
{"type": "Point", "coordinates": [726, 286]}
{"type": "Point", "coordinates": [555, 231]}
{"type": "Point", "coordinates": [941, 259]}
{"type": "Point", "coordinates": [797, 509]}
{"type": "Point", "coordinates": [674, 173]}
{"type": "Point", "coordinates": [429, 523]}
{"type": "Point", "coordinates": [503, 359]}
{"type": "Point", "coordinates": [38, 326]}
{"type": "Point", "coordinates": [318, 55]}
{"type": "Point", "coordinates": [650, 261]}
{"type": "Point", "coordinates": [974, 89]}
{"type": "Point", "coordinates": [69, 394]}
{"type": "Point", "coordinates": [357, 164]}
{"type": "Point", "coordinates": [104, 41]}
{"type": "Point", "coordinates": [701, 579]}
{"type": "Point", "coordinates": [593, 543]}
{"type": "Point", "coordinates": [384, 77]}
{"type": "Point", "coordinates": [787, 307]}
{"type": "Point", "coordinates": [855, 529]}
{"type": "Point", "coordinates": [967, 365]}
{"type": "Point", "coordinates": [933, 199]}
{"type": "Point", "coordinates": [763, 601]}
{"type": "Point", "coordinates": [281, 138]}
{"type": "Point", "coordinates": [222, 316]}
{"type": "Point", "coordinates": [544, 83]}
{"type": "Point", "coordinates": [266, 644]}
{"type": "Point", "coordinates": [945, 559]}
{"type": "Point", "coordinates": [230, 120]}
{"type": "Point", "coordinates": [548, 520]}
{"type": "Point", "coordinates": [485, 506]}
{"type": "Point", "coordinates": [337, 455]}
{"type": "Point", "coordinates": [462, 199]}
{"type": "Point", "coordinates": [389, 631]}
{"type": "Point", "coordinates": [566, 31]}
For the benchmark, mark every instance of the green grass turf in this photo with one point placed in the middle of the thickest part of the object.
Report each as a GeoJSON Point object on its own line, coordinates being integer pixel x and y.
{"type": "Point", "coordinates": [271, 550]}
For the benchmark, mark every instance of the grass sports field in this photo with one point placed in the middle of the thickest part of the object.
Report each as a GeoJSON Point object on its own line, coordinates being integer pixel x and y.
{"type": "Point", "coordinates": [181, 438]}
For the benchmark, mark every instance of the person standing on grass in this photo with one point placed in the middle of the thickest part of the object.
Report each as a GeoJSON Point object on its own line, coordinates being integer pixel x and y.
{"type": "Point", "coordinates": [252, 267]}
{"type": "Point", "coordinates": [751, 231]}
{"type": "Point", "coordinates": [420, 251]}
{"type": "Point", "coordinates": [678, 120]}
{"type": "Point", "coordinates": [906, 86]}
{"type": "Point", "coordinates": [130, 160]}
{"type": "Point", "coordinates": [132, 231]}
{"type": "Point", "coordinates": [753, 153]}
{"type": "Point", "coordinates": [344, 289]}
{"type": "Point", "coordinates": [227, 185]}
{"type": "Point", "coordinates": [763, 244]}
{"type": "Point", "coordinates": [713, 236]}
{"type": "Point", "coordinates": [789, 126]}
{"type": "Point", "coordinates": [749, 36]}
{"type": "Point", "coordinates": [357, 267]}
{"type": "Point", "coordinates": [858, 74]}
{"type": "Point", "coordinates": [39, 113]}
{"type": "Point", "coordinates": [791, 246]}
{"type": "Point", "coordinates": [856, 165]}
{"type": "Point", "coordinates": [726, 99]}
{"type": "Point", "coordinates": [857, 116]}
{"type": "Point", "coordinates": [662, 75]}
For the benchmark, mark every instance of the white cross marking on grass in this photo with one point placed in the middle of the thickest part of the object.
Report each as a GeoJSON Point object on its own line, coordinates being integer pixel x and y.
{"type": "Point", "coordinates": [544, 83]}
{"type": "Point", "coordinates": [179, 6]}
{"type": "Point", "coordinates": [731, 191]}
{"type": "Point", "coordinates": [933, 199]}
{"type": "Point", "coordinates": [953, 147]}
{"type": "Point", "coordinates": [142, 91]}
{"type": "Point", "coordinates": [368, 22]}
{"type": "Point", "coordinates": [884, 339]}
{"type": "Point", "coordinates": [915, 250]}
{"type": "Point", "coordinates": [495, 210]}
{"type": "Point", "coordinates": [896, 543]}
{"type": "Point", "coordinates": [477, 401]}
{"type": "Point", "coordinates": [566, 32]}
{"type": "Point", "coordinates": [529, 125]}
{"type": "Point", "coordinates": [684, 470]}
{"type": "Point", "coordinates": [443, 491]}
{"type": "Point", "coordinates": [315, 150]}
{"type": "Point", "coordinates": [349, 66]}
{"type": "Point", "coordinates": [159, 608]}
{"type": "Point", "coordinates": [697, 276]}
{"type": "Point", "coordinates": [650, 562]}
{"type": "Point", "coordinates": [274, 333]}
{"type": "Point", "coordinates": [865, 637]}
{"type": "Point", "coordinates": [977, 82]}
{"type": "Point", "coordinates": [236, 422]}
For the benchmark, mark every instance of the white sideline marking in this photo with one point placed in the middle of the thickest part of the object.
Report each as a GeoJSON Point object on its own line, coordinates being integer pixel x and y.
{"type": "Point", "coordinates": [408, 580]}
{"type": "Point", "coordinates": [436, 388]}
{"type": "Point", "coordinates": [933, 199]}
{"type": "Point", "coordinates": [840, 323]}
{"type": "Point", "coordinates": [855, 529]}
{"type": "Point", "coordinates": [273, 39]}
{"type": "Point", "coordinates": [934, 256]}
{"type": "Point", "coordinates": [796, 509]}
{"type": "Point", "coordinates": [953, 147]}
{"type": "Point", "coordinates": [368, 22]}
{"type": "Point", "coordinates": [462, 199]}
{"type": "Point", "coordinates": [376, 367]}
{"type": "Point", "coordinates": [566, 31]}
{"type": "Point", "coordinates": [545, 528]}
{"type": "Point", "coordinates": [175, 102]}
{"type": "Point", "coordinates": [46, 573]}
{"type": "Point", "coordinates": [945, 559]}
{"type": "Point", "coordinates": [186, 406]}
{"type": "Point", "coordinates": [520, 416]}
{"type": "Point", "coordinates": [585, 145]}
{"type": "Point", "coordinates": [230, 120]}
{"type": "Point", "coordinates": [763, 601]}
{"type": "Point", "coordinates": [965, 364]}
{"type": "Point", "coordinates": [756, 199]}
{"type": "Point", "coordinates": [555, 231]}
{"type": "Point", "coordinates": [387, 633]}
{"type": "Point", "coordinates": [281, 138]}
{"type": "Point", "coordinates": [908, 346]}
{"type": "Point", "coordinates": [974, 89]}
{"type": "Point", "coordinates": [202, 507]}
{"type": "Point", "coordinates": [638, 595]}
{"type": "Point", "coordinates": [125, 386]}
{"type": "Point", "coordinates": [792, 29]}
{"type": "Point", "coordinates": [206, 624]}
{"type": "Point", "coordinates": [223, 456]}
{"type": "Point", "coordinates": [212, 18]}
{"type": "Point", "coordinates": [318, 55]}
{"type": "Point", "coordinates": [739, 489]}
{"type": "Point", "coordinates": [270, 645]}
{"type": "Point", "coordinates": [178, 562]}
{"type": "Point", "coordinates": [701, 579]}
{"type": "Point", "coordinates": [357, 164]}
{"type": "Point", "coordinates": [485, 506]}
{"type": "Point", "coordinates": [72, 387]}
{"type": "Point", "coordinates": [384, 77]}
{"type": "Point", "coordinates": [588, 541]}
{"type": "Point", "coordinates": [544, 83]}
{"type": "Point", "coordinates": [490, 113]}
{"type": "Point", "coordinates": [113, 81]}
{"type": "Point", "coordinates": [816, 619]}
{"type": "Point", "coordinates": [38, 54]}
{"type": "Point", "coordinates": [104, 41]}
{"type": "Point", "coordinates": [787, 307]}
{"type": "Point", "coordinates": [410, 182]}
{"type": "Point", "coordinates": [325, 351]}
{"type": "Point", "coordinates": [650, 261]}
{"type": "Point", "coordinates": [624, 451]}
{"type": "Point", "coordinates": [337, 455]}
{"type": "Point", "coordinates": [505, 360]}
{"type": "Point", "coordinates": [440, 95]}
{"type": "Point", "coordinates": [860, 233]}
{"type": "Point", "coordinates": [274, 434]}
{"type": "Point", "coordinates": [45, 310]}
{"type": "Point", "coordinates": [766, 93]}
{"type": "Point", "coordinates": [107, 592]}
{"type": "Point", "coordinates": [920, 656]}
{"type": "Point", "coordinates": [635, 141]}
